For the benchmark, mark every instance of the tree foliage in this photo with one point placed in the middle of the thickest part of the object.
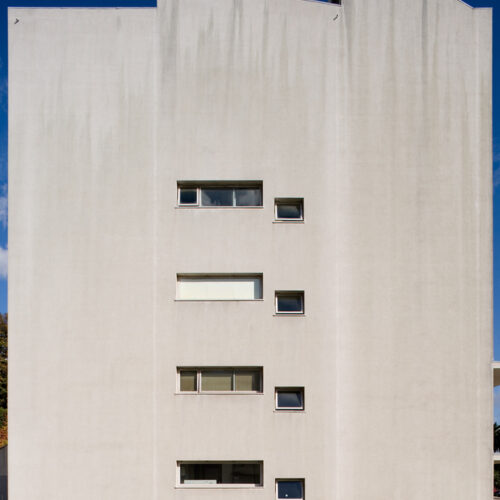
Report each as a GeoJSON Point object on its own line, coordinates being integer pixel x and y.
{"type": "Point", "coordinates": [3, 378]}
{"type": "Point", "coordinates": [3, 359]}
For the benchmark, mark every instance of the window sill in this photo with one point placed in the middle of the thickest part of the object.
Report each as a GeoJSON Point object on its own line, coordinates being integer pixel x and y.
{"type": "Point", "coordinates": [326, 3]}
{"type": "Point", "coordinates": [289, 221]}
{"type": "Point", "coordinates": [289, 411]}
{"type": "Point", "coordinates": [197, 207]}
{"type": "Point", "coordinates": [295, 315]}
{"type": "Point", "coordinates": [218, 486]}
{"type": "Point", "coordinates": [219, 393]}
{"type": "Point", "coordinates": [218, 300]}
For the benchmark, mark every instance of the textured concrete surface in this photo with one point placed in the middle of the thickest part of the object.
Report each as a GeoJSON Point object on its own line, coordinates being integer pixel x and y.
{"type": "Point", "coordinates": [378, 114]}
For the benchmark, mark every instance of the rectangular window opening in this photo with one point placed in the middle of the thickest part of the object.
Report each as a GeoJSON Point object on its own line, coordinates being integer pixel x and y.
{"type": "Point", "coordinates": [214, 194]}
{"type": "Point", "coordinates": [289, 302]}
{"type": "Point", "coordinates": [244, 379]}
{"type": "Point", "coordinates": [219, 287]}
{"type": "Point", "coordinates": [290, 488]}
{"type": "Point", "coordinates": [289, 398]}
{"type": "Point", "coordinates": [213, 474]}
{"type": "Point", "coordinates": [289, 209]}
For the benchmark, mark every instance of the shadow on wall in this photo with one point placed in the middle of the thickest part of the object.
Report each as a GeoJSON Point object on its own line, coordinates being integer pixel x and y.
{"type": "Point", "coordinates": [3, 473]}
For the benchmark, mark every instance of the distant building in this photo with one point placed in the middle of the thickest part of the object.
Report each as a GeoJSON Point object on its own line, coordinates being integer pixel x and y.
{"type": "Point", "coordinates": [250, 251]}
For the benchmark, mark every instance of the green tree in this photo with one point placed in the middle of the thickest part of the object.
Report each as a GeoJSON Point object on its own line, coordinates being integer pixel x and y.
{"type": "Point", "coordinates": [3, 359]}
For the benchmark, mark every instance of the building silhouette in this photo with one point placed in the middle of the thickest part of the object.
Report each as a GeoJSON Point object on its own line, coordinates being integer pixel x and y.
{"type": "Point", "coordinates": [250, 251]}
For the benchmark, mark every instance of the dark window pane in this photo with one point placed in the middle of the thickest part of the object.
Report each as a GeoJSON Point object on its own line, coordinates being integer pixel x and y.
{"type": "Point", "coordinates": [290, 303]}
{"type": "Point", "coordinates": [248, 197]}
{"type": "Point", "coordinates": [289, 211]}
{"type": "Point", "coordinates": [188, 196]}
{"type": "Point", "coordinates": [221, 473]}
{"type": "Point", "coordinates": [201, 473]}
{"type": "Point", "coordinates": [221, 197]}
{"type": "Point", "coordinates": [245, 473]}
{"type": "Point", "coordinates": [290, 489]}
{"type": "Point", "coordinates": [290, 399]}
{"type": "Point", "coordinates": [188, 381]}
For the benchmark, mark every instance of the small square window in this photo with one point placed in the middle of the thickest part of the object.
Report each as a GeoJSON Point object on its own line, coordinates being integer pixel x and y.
{"type": "Point", "coordinates": [289, 209]}
{"type": "Point", "coordinates": [290, 488]}
{"type": "Point", "coordinates": [289, 398]}
{"type": "Point", "coordinates": [290, 302]}
{"type": "Point", "coordinates": [188, 196]}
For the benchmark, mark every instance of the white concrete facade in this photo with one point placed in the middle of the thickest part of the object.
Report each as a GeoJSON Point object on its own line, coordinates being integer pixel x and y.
{"type": "Point", "coordinates": [378, 114]}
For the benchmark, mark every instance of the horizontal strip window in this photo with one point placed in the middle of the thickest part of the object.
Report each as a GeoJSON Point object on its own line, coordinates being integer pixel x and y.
{"type": "Point", "coordinates": [219, 287]}
{"type": "Point", "coordinates": [219, 194]}
{"type": "Point", "coordinates": [220, 379]}
{"type": "Point", "coordinates": [217, 474]}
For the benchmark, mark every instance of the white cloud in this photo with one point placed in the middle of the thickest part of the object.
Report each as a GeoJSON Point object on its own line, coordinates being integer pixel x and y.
{"type": "Point", "coordinates": [3, 262]}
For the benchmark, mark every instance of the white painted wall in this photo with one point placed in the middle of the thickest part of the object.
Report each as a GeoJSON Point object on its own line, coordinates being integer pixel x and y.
{"type": "Point", "coordinates": [378, 115]}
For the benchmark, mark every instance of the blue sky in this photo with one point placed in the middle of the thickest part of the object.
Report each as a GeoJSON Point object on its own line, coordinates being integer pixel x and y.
{"type": "Point", "coordinates": [150, 3]}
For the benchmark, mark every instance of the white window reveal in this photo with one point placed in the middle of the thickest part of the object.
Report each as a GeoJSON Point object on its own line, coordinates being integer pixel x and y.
{"type": "Point", "coordinates": [219, 287]}
{"type": "Point", "coordinates": [240, 380]}
{"type": "Point", "coordinates": [208, 474]}
{"type": "Point", "coordinates": [290, 488]}
{"type": "Point", "coordinates": [219, 194]}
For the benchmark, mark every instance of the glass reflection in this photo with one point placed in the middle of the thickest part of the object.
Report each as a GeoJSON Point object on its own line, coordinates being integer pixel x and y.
{"type": "Point", "coordinates": [290, 303]}
{"type": "Point", "coordinates": [289, 211]}
{"type": "Point", "coordinates": [220, 197]}
{"type": "Point", "coordinates": [248, 197]}
{"type": "Point", "coordinates": [290, 399]}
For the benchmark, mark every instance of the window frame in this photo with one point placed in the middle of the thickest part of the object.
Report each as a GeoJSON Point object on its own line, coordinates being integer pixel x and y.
{"type": "Point", "coordinates": [234, 369]}
{"type": "Point", "coordinates": [234, 185]}
{"type": "Point", "coordinates": [179, 204]}
{"type": "Point", "coordinates": [289, 201]}
{"type": "Point", "coordinates": [293, 479]}
{"type": "Point", "coordinates": [289, 293]}
{"type": "Point", "coordinates": [214, 276]}
{"type": "Point", "coordinates": [179, 484]}
{"type": "Point", "coordinates": [289, 408]}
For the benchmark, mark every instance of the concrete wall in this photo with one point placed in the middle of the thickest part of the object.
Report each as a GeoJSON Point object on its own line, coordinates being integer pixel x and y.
{"type": "Point", "coordinates": [378, 114]}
